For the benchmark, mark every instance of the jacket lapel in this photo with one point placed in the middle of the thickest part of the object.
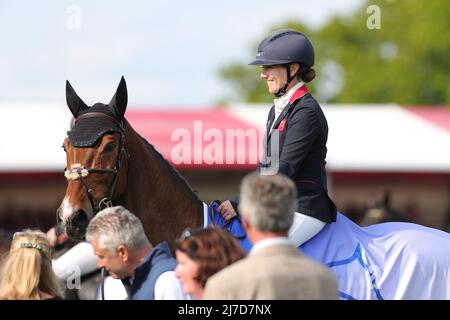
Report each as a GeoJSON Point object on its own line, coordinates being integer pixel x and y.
{"type": "Point", "coordinates": [297, 95]}
{"type": "Point", "coordinates": [269, 123]}
{"type": "Point", "coordinates": [280, 118]}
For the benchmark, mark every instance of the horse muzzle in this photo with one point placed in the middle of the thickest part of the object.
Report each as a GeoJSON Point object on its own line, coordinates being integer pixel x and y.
{"type": "Point", "coordinates": [76, 225]}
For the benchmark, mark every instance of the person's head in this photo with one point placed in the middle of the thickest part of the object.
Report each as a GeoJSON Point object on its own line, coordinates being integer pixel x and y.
{"type": "Point", "coordinates": [116, 235]}
{"type": "Point", "coordinates": [201, 253]}
{"type": "Point", "coordinates": [27, 271]}
{"type": "Point", "coordinates": [267, 203]}
{"type": "Point", "coordinates": [286, 57]}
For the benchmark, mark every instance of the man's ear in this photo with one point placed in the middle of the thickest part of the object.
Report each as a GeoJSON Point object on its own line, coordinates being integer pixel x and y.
{"type": "Point", "coordinates": [122, 252]}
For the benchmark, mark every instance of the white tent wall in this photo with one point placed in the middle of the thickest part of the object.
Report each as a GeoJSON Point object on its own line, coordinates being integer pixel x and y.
{"type": "Point", "coordinates": [371, 149]}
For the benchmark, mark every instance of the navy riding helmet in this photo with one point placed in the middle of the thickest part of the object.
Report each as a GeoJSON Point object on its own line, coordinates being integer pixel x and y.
{"type": "Point", "coordinates": [285, 47]}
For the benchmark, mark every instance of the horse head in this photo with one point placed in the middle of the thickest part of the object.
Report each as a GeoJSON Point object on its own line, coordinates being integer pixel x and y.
{"type": "Point", "coordinates": [96, 161]}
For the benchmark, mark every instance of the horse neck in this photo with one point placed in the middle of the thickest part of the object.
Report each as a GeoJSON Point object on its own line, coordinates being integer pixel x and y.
{"type": "Point", "coordinates": [157, 194]}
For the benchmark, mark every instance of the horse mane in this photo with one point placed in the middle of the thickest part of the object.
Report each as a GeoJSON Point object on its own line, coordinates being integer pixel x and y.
{"type": "Point", "coordinates": [173, 173]}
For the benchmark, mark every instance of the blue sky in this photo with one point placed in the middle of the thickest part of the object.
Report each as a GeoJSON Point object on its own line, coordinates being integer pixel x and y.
{"type": "Point", "coordinates": [169, 51]}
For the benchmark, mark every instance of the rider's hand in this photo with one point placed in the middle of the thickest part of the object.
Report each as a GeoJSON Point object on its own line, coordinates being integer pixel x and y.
{"type": "Point", "coordinates": [52, 238]}
{"type": "Point", "coordinates": [226, 210]}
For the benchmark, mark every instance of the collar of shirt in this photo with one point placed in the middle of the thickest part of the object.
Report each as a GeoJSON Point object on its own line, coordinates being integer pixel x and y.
{"type": "Point", "coordinates": [270, 242]}
{"type": "Point", "coordinates": [283, 101]}
{"type": "Point", "coordinates": [140, 271]}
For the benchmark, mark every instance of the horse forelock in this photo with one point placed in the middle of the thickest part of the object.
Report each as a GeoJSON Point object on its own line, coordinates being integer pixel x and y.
{"type": "Point", "coordinates": [92, 124]}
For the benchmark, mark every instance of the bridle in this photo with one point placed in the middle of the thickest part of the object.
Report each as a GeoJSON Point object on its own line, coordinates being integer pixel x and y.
{"type": "Point", "coordinates": [78, 172]}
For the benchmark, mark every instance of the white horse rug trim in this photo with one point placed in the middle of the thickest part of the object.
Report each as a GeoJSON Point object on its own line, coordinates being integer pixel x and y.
{"type": "Point", "coordinates": [384, 261]}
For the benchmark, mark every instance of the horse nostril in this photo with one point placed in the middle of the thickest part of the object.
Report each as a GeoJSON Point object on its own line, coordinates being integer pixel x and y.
{"type": "Point", "coordinates": [80, 219]}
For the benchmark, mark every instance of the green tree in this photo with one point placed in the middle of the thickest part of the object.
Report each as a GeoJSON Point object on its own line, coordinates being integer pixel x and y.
{"type": "Point", "coordinates": [405, 60]}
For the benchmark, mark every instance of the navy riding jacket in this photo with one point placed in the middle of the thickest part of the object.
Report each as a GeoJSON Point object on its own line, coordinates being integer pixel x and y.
{"type": "Point", "coordinates": [301, 131]}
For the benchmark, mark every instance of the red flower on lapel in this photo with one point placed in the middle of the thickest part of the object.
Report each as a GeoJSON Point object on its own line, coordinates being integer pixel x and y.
{"type": "Point", "coordinates": [282, 125]}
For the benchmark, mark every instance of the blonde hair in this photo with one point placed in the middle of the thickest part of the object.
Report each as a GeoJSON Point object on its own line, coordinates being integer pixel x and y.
{"type": "Point", "coordinates": [27, 270]}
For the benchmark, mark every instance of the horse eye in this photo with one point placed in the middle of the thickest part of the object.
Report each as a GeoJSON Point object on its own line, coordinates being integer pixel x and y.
{"type": "Point", "coordinates": [64, 148]}
{"type": "Point", "coordinates": [110, 147]}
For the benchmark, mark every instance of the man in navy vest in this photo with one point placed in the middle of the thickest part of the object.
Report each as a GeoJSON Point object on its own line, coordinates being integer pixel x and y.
{"type": "Point", "coordinates": [119, 241]}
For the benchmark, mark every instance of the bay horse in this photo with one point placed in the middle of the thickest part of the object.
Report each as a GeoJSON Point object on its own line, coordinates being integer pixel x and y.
{"type": "Point", "coordinates": [110, 163]}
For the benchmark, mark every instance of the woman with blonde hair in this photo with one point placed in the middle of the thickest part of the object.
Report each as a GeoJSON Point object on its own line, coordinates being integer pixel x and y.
{"type": "Point", "coordinates": [27, 270]}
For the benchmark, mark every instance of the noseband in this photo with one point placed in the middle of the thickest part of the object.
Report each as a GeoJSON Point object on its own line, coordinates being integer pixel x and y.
{"type": "Point", "coordinates": [79, 172]}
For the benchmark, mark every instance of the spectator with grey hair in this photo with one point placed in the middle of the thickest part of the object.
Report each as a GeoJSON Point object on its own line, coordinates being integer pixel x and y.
{"type": "Point", "coordinates": [123, 249]}
{"type": "Point", "coordinates": [275, 268]}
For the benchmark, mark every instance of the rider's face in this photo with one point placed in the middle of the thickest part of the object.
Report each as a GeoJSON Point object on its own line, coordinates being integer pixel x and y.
{"type": "Point", "coordinates": [275, 76]}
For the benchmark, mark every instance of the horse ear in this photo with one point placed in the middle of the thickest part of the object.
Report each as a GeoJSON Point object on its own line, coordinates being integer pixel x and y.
{"type": "Point", "coordinates": [74, 102]}
{"type": "Point", "coordinates": [120, 99]}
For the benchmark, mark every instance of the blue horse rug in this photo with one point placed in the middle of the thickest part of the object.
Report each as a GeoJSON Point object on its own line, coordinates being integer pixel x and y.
{"type": "Point", "coordinates": [234, 227]}
{"type": "Point", "coordinates": [392, 260]}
